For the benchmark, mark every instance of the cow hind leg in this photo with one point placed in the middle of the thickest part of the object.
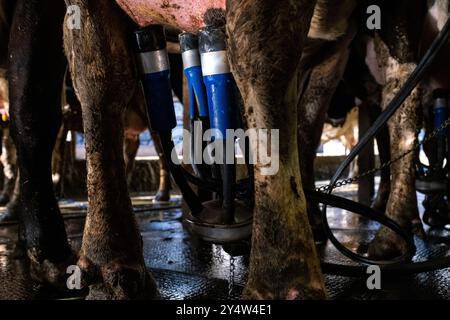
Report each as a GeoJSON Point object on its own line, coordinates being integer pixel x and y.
{"type": "Point", "coordinates": [130, 149]}
{"type": "Point", "coordinates": [312, 111]}
{"type": "Point", "coordinates": [104, 78]}
{"type": "Point", "coordinates": [284, 263]}
{"type": "Point", "coordinates": [379, 203]}
{"type": "Point", "coordinates": [8, 159]}
{"type": "Point", "coordinates": [402, 203]}
{"type": "Point", "coordinates": [36, 74]}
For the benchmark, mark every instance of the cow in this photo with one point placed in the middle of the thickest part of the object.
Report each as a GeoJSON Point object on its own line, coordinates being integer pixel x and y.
{"type": "Point", "coordinates": [266, 40]}
{"type": "Point", "coordinates": [390, 54]}
{"type": "Point", "coordinates": [99, 57]}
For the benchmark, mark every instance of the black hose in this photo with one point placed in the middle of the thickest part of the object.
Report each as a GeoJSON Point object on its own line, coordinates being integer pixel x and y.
{"type": "Point", "coordinates": [204, 183]}
{"type": "Point", "coordinates": [393, 265]}
{"type": "Point", "coordinates": [200, 170]}
{"type": "Point", "coordinates": [399, 269]}
{"type": "Point", "coordinates": [362, 210]}
{"type": "Point", "coordinates": [176, 171]}
{"type": "Point", "coordinates": [228, 187]}
{"type": "Point", "coordinates": [214, 184]}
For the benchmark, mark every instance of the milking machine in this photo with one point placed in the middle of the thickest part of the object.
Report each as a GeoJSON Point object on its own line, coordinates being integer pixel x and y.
{"type": "Point", "coordinates": [434, 179]}
{"type": "Point", "coordinates": [198, 107]}
{"type": "Point", "coordinates": [213, 105]}
{"type": "Point", "coordinates": [154, 64]}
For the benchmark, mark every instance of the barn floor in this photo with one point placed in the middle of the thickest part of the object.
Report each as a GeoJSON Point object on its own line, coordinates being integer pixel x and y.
{"type": "Point", "coordinates": [187, 268]}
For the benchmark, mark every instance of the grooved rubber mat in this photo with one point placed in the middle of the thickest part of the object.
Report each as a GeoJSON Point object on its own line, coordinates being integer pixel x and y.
{"type": "Point", "coordinates": [188, 268]}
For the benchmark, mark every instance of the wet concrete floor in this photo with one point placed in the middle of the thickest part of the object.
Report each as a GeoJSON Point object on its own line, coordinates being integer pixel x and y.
{"type": "Point", "coordinates": [186, 267]}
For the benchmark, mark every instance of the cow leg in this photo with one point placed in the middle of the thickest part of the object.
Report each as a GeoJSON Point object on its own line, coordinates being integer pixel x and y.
{"type": "Point", "coordinates": [312, 111]}
{"type": "Point", "coordinates": [130, 149]}
{"type": "Point", "coordinates": [402, 203]}
{"type": "Point", "coordinates": [104, 79]}
{"type": "Point", "coordinates": [163, 193]}
{"type": "Point", "coordinates": [13, 207]}
{"type": "Point", "coordinates": [136, 122]}
{"type": "Point", "coordinates": [58, 161]}
{"type": "Point", "coordinates": [284, 263]}
{"type": "Point", "coordinates": [380, 201]}
{"type": "Point", "coordinates": [372, 92]}
{"type": "Point", "coordinates": [9, 161]}
{"type": "Point", "coordinates": [36, 73]}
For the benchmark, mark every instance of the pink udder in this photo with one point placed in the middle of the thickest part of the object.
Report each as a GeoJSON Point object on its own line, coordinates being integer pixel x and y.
{"type": "Point", "coordinates": [186, 15]}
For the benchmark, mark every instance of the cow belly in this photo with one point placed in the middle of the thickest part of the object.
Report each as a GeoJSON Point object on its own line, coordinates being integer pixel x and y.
{"type": "Point", "coordinates": [186, 15]}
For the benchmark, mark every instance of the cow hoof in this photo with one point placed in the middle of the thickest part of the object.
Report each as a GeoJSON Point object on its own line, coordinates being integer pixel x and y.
{"type": "Point", "coordinates": [48, 272]}
{"type": "Point", "coordinates": [294, 293]}
{"type": "Point", "coordinates": [118, 281]}
{"type": "Point", "coordinates": [162, 196]}
{"type": "Point", "coordinates": [386, 245]}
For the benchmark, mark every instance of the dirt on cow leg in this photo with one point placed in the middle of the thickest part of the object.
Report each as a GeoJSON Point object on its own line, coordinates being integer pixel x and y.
{"type": "Point", "coordinates": [284, 263]}
{"type": "Point", "coordinates": [111, 256]}
{"type": "Point", "coordinates": [402, 203]}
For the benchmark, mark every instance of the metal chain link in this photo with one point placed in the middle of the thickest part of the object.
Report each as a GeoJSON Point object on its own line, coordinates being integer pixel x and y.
{"type": "Point", "coordinates": [387, 164]}
{"type": "Point", "coordinates": [231, 279]}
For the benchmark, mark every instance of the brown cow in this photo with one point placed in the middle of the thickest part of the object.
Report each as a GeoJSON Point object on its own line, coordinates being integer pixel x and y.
{"type": "Point", "coordinates": [266, 64]}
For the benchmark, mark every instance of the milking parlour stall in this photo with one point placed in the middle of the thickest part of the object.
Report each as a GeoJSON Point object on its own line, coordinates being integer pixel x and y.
{"type": "Point", "coordinates": [219, 157]}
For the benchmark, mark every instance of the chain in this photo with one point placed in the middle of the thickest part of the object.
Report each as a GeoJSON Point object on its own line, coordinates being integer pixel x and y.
{"type": "Point", "coordinates": [387, 164]}
{"type": "Point", "coordinates": [231, 280]}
